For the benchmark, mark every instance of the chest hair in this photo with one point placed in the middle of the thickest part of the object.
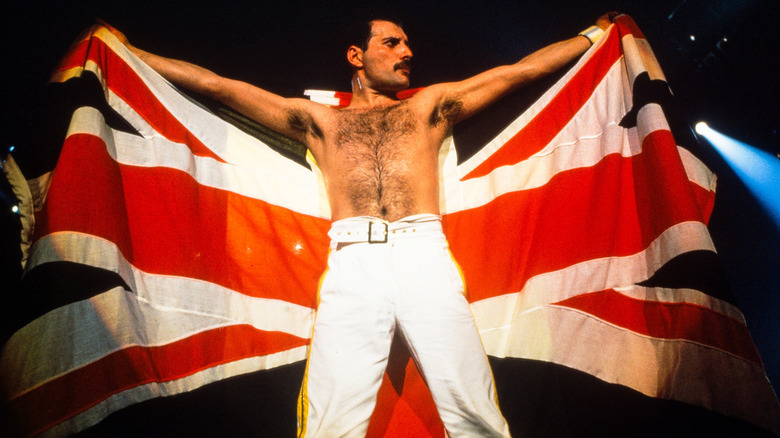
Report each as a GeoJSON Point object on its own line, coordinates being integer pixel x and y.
{"type": "Point", "coordinates": [377, 144]}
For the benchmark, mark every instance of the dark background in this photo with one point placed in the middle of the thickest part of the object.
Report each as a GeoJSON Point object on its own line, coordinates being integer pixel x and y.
{"type": "Point", "coordinates": [727, 75]}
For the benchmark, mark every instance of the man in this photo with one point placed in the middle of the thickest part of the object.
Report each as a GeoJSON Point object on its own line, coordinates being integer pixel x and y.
{"type": "Point", "coordinates": [390, 266]}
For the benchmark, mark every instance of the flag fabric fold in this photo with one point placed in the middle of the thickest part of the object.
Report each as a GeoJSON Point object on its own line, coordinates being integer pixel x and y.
{"type": "Point", "coordinates": [195, 251]}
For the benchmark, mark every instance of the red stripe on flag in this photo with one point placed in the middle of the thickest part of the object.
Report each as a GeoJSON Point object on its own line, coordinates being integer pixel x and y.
{"type": "Point", "coordinates": [76, 55]}
{"type": "Point", "coordinates": [705, 199]}
{"type": "Point", "coordinates": [404, 405]}
{"type": "Point", "coordinates": [686, 321]}
{"type": "Point", "coordinates": [164, 222]}
{"type": "Point", "coordinates": [554, 117]}
{"type": "Point", "coordinates": [615, 208]}
{"type": "Point", "coordinates": [626, 26]}
{"type": "Point", "coordinates": [85, 387]}
{"type": "Point", "coordinates": [126, 84]}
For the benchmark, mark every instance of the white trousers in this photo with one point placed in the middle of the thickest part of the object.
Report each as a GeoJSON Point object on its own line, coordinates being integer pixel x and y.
{"type": "Point", "coordinates": [409, 283]}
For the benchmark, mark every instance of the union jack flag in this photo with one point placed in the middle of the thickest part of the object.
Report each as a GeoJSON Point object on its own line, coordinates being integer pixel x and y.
{"type": "Point", "coordinates": [171, 283]}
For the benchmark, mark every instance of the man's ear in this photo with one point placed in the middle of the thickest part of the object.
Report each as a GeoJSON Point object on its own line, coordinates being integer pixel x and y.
{"type": "Point", "coordinates": [355, 56]}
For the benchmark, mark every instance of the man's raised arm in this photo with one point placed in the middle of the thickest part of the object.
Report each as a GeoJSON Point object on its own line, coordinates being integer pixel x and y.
{"type": "Point", "coordinates": [286, 116]}
{"type": "Point", "coordinates": [475, 93]}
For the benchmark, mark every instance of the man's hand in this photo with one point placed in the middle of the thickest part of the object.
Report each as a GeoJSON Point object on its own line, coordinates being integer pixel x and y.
{"type": "Point", "coordinates": [605, 20]}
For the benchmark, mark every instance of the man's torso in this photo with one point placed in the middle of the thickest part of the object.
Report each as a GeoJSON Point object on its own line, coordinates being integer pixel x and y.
{"type": "Point", "coordinates": [380, 161]}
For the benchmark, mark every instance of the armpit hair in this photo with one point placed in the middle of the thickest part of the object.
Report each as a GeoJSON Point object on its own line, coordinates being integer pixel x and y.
{"type": "Point", "coordinates": [303, 122]}
{"type": "Point", "coordinates": [449, 110]}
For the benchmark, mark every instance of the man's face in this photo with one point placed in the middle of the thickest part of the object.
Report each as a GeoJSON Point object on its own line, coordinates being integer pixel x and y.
{"type": "Point", "coordinates": [386, 60]}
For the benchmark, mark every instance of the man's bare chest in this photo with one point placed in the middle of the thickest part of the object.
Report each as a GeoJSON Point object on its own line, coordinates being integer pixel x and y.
{"type": "Point", "coordinates": [376, 130]}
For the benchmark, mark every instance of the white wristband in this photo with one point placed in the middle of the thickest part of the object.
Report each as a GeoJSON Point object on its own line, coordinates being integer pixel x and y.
{"type": "Point", "coordinates": [592, 33]}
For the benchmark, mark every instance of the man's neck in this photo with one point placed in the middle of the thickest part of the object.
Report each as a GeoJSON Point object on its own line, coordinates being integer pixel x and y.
{"type": "Point", "coordinates": [365, 97]}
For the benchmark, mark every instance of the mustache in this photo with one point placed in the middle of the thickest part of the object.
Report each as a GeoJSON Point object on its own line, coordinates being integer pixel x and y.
{"type": "Point", "coordinates": [403, 64]}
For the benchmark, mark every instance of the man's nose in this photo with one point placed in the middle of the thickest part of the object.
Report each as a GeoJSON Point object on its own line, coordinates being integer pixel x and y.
{"type": "Point", "coordinates": [406, 52]}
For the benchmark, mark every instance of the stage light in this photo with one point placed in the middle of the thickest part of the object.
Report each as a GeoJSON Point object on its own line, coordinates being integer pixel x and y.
{"type": "Point", "coordinates": [757, 169]}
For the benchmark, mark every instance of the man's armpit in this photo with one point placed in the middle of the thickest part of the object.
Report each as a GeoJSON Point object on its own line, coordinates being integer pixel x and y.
{"type": "Point", "coordinates": [302, 122]}
{"type": "Point", "coordinates": [449, 110]}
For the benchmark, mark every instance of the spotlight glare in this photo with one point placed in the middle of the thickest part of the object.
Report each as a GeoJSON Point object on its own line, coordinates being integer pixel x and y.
{"type": "Point", "coordinates": [758, 169]}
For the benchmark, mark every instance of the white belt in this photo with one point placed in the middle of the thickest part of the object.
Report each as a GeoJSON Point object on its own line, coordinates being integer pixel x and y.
{"type": "Point", "coordinates": [366, 229]}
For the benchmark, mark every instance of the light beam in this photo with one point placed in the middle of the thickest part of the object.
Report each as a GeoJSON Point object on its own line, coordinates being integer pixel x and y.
{"type": "Point", "coordinates": [758, 169]}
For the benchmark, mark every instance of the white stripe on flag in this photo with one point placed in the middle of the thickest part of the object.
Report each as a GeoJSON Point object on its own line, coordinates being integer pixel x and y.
{"type": "Point", "coordinates": [701, 375]}
{"type": "Point", "coordinates": [179, 306]}
{"type": "Point", "coordinates": [260, 175]}
{"type": "Point", "coordinates": [495, 316]}
{"type": "Point", "coordinates": [528, 115]}
{"type": "Point", "coordinates": [116, 402]}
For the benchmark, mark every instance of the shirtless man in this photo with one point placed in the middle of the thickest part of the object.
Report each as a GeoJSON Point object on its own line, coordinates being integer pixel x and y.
{"type": "Point", "coordinates": [390, 267]}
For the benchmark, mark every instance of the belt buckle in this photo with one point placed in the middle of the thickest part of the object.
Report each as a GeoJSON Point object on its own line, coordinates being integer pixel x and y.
{"type": "Point", "coordinates": [371, 234]}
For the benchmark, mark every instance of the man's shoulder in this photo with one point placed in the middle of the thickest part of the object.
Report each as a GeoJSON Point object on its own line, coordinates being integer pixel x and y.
{"type": "Point", "coordinates": [440, 103]}
{"type": "Point", "coordinates": [429, 93]}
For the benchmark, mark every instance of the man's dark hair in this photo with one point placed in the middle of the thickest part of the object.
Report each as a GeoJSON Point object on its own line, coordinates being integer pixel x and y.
{"type": "Point", "coordinates": [359, 33]}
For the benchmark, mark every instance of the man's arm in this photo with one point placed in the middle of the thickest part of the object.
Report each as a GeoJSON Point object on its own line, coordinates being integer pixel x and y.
{"type": "Point", "coordinates": [290, 117]}
{"type": "Point", "coordinates": [459, 100]}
